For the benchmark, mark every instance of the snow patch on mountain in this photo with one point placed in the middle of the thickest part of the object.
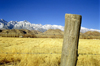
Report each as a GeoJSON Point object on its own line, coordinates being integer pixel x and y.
{"type": "Point", "coordinates": [3, 24]}
{"type": "Point", "coordinates": [83, 30]}
{"type": "Point", "coordinates": [3, 21]}
{"type": "Point", "coordinates": [11, 24]}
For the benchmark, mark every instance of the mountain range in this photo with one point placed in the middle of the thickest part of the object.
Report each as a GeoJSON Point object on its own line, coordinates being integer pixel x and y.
{"type": "Point", "coordinates": [29, 26]}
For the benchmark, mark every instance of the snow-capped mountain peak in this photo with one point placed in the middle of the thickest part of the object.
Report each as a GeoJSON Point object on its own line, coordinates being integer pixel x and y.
{"type": "Point", "coordinates": [27, 25]}
{"type": "Point", "coordinates": [3, 21]}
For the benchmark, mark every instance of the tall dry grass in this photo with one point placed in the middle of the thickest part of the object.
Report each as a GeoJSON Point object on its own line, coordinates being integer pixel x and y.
{"type": "Point", "coordinates": [45, 52]}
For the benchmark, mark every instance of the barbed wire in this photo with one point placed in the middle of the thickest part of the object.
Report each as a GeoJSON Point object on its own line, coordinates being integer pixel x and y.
{"type": "Point", "coordinates": [47, 53]}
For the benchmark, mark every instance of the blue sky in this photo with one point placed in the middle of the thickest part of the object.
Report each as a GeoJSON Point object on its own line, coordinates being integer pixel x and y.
{"type": "Point", "coordinates": [51, 11]}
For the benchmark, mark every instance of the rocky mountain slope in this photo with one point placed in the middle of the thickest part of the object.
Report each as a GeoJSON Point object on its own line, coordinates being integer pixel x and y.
{"type": "Point", "coordinates": [51, 33]}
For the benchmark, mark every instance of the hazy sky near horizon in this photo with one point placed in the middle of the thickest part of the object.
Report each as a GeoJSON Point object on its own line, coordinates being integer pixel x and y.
{"type": "Point", "coordinates": [51, 11]}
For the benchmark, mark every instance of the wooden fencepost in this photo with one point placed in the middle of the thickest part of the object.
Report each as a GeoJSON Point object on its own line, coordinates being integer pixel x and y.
{"type": "Point", "coordinates": [70, 41]}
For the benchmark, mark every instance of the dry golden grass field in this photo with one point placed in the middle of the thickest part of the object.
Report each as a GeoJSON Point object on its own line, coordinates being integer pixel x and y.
{"type": "Point", "coordinates": [45, 52]}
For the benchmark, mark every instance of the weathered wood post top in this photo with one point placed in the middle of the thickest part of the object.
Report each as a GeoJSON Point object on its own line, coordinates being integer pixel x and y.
{"type": "Point", "coordinates": [70, 41]}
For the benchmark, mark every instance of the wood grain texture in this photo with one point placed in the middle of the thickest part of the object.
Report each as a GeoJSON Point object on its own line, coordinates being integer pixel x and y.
{"type": "Point", "coordinates": [71, 38]}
